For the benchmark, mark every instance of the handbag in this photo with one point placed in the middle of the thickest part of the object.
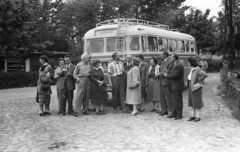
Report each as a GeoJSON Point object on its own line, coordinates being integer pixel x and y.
{"type": "Point", "coordinates": [135, 85]}
{"type": "Point", "coordinates": [45, 86]}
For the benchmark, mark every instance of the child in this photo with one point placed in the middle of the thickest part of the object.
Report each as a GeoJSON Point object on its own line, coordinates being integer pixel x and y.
{"type": "Point", "coordinates": [44, 91]}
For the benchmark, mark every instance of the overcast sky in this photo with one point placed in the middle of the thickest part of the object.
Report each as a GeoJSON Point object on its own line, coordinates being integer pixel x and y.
{"type": "Point", "coordinates": [213, 5]}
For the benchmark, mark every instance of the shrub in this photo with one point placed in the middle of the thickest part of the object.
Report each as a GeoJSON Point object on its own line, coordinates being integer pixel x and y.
{"type": "Point", "coordinates": [214, 65]}
{"type": "Point", "coordinates": [18, 79]}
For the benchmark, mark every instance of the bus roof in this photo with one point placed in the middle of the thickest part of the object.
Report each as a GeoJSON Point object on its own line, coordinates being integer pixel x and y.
{"type": "Point", "coordinates": [138, 30]}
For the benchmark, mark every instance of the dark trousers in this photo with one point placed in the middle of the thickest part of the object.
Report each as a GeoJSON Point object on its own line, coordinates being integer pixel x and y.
{"type": "Point", "coordinates": [177, 99]}
{"type": "Point", "coordinates": [67, 96]}
{"type": "Point", "coordinates": [167, 91]}
{"type": "Point", "coordinates": [163, 101]}
{"type": "Point", "coordinates": [118, 91]}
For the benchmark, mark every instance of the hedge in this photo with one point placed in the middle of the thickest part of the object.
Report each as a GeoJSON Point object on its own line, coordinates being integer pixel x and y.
{"type": "Point", "coordinates": [214, 65]}
{"type": "Point", "coordinates": [18, 79]}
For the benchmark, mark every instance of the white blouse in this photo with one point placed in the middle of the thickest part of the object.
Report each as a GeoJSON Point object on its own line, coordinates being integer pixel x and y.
{"type": "Point", "coordinates": [190, 74]}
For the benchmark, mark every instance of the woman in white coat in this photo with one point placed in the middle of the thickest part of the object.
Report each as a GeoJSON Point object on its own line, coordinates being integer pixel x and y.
{"type": "Point", "coordinates": [133, 96]}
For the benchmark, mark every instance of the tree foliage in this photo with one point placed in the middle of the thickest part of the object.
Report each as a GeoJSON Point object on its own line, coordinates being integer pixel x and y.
{"type": "Point", "coordinates": [27, 26]}
{"type": "Point", "coordinates": [197, 24]}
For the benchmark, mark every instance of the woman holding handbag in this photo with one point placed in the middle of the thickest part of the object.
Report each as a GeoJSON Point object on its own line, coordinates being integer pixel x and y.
{"type": "Point", "coordinates": [133, 96]}
{"type": "Point", "coordinates": [44, 91]}
{"type": "Point", "coordinates": [196, 77]}
{"type": "Point", "coordinates": [98, 92]}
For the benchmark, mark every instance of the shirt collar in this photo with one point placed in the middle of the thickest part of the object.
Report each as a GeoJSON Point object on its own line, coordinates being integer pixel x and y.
{"type": "Point", "coordinates": [95, 68]}
{"type": "Point", "coordinates": [115, 62]}
{"type": "Point", "coordinates": [165, 59]}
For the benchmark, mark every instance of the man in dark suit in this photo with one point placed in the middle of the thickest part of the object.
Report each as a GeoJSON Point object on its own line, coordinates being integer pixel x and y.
{"type": "Point", "coordinates": [144, 73]}
{"type": "Point", "coordinates": [69, 86]}
{"type": "Point", "coordinates": [128, 64]}
{"type": "Point", "coordinates": [166, 108]}
{"type": "Point", "coordinates": [177, 83]}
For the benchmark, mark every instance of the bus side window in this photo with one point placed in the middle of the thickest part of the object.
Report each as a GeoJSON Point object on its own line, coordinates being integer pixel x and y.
{"type": "Point", "coordinates": [181, 46]}
{"type": "Point", "coordinates": [134, 43]}
{"type": "Point", "coordinates": [172, 45]}
{"type": "Point", "coordinates": [187, 46]}
{"type": "Point", "coordinates": [162, 44]}
{"type": "Point", "coordinates": [192, 46]}
{"type": "Point", "coordinates": [152, 43]}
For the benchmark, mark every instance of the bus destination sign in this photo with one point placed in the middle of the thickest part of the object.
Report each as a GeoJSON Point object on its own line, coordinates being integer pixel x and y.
{"type": "Point", "coordinates": [108, 32]}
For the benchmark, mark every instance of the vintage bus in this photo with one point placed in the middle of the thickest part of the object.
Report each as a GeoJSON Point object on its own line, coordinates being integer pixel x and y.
{"type": "Point", "coordinates": [135, 36]}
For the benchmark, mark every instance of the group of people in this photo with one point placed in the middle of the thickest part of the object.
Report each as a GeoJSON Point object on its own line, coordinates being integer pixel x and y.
{"type": "Point", "coordinates": [133, 83]}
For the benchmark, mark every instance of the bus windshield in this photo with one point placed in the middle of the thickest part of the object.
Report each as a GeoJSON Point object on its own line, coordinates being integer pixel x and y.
{"type": "Point", "coordinates": [95, 45]}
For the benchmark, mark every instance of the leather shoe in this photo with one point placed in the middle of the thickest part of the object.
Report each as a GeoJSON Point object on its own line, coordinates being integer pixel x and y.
{"type": "Point", "coordinates": [102, 112]}
{"type": "Point", "coordinates": [75, 114]}
{"type": "Point", "coordinates": [86, 113]}
{"type": "Point", "coordinates": [197, 119]}
{"type": "Point", "coordinates": [170, 116]}
{"type": "Point", "coordinates": [98, 113]}
{"type": "Point", "coordinates": [141, 110]}
{"type": "Point", "coordinates": [71, 113]}
{"type": "Point", "coordinates": [134, 114]}
{"type": "Point", "coordinates": [191, 119]}
{"type": "Point", "coordinates": [178, 117]}
{"type": "Point", "coordinates": [42, 114]}
{"type": "Point", "coordinates": [163, 113]}
{"type": "Point", "coordinates": [47, 113]}
{"type": "Point", "coordinates": [153, 110]}
{"type": "Point", "coordinates": [124, 111]}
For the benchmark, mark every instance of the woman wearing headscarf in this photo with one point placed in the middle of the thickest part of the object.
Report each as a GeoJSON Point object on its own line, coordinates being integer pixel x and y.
{"type": "Point", "coordinates": [133, 96]}
{"type": "Point", "coordinates": [98, 93]}
{"type": "Point", "coordinates": [196, 77]}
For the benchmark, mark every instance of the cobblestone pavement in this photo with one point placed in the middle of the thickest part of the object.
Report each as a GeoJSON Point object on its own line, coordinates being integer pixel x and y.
{"type": "Point", "coordinates": [22, 130]}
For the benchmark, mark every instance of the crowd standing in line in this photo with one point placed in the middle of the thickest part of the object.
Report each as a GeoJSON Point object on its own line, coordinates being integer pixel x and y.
{"type": "Point", "coordinates": [133, 82]}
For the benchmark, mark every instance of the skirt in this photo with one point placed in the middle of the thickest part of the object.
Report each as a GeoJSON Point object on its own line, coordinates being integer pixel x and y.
{"type": "Point", "coordinates": [153, 92]}
{"type": "Point", "coordinates": [43, 99]}
{"type": "Point", "coordinates": [195, 97]}
{"type": "Point", "coordinates": [98, 94]}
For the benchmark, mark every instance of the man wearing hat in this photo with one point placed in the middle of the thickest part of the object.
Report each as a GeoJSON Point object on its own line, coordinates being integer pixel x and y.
{"type": "Point", "coordinates": [116, 70]}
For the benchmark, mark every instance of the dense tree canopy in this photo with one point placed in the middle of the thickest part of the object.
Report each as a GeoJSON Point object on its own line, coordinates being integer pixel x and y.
{"type": "Point", "coordinates": [28, 25]}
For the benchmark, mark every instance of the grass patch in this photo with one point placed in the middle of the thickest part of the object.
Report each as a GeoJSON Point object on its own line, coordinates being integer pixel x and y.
{"type": "Point", "coordinates": [232, 101]}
